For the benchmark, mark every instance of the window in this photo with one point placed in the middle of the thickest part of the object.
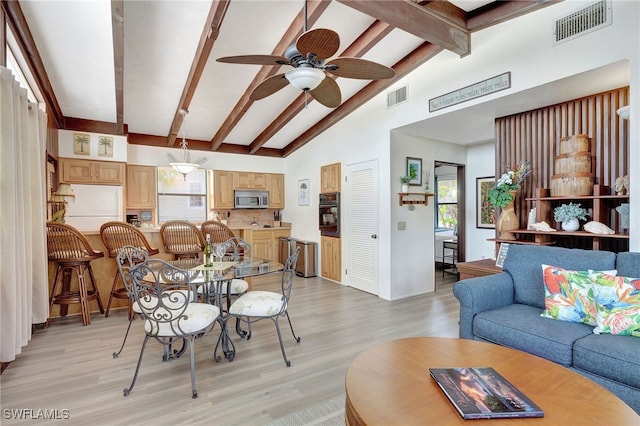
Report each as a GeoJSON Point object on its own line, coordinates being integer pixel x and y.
{"type": "Point", "coordinates": [180, 198]}
{"type": "Point", "coordinates": [446, 202]}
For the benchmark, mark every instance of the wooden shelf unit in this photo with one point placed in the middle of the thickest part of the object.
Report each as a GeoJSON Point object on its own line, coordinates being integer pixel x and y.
{"type": "Point", "coordinates": [600, 204]}
{"type": "Point", "coordinates": [424, 198]}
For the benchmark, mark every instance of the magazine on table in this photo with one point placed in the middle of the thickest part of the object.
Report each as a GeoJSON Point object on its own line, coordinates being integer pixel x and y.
{"type": "Point", "coordinates": [482, 393]}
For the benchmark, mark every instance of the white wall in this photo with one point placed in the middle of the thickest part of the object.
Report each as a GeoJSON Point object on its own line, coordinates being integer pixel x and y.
{"type": "Point", "coordinates": [65, 146]}
{"type": "Point", "coordinates": [480, 163]}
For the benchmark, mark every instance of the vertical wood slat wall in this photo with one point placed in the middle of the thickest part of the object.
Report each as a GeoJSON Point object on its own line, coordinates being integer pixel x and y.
{"type": "Point", "coordinates": [535, 135]}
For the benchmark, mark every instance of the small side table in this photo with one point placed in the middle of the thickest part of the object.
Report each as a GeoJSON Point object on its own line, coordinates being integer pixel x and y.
{"type": "Point", "coordinates": [449, 252]}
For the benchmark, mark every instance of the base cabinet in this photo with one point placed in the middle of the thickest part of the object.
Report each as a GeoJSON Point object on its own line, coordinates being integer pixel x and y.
{"type": "Point", "coordinates": [331, 258]}
{"type": "Point", "coordinates": [265, 242]}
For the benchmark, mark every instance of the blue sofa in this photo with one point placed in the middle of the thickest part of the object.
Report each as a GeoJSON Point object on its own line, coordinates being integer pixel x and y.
{"type": "Point", "coordinates": [505, 309]}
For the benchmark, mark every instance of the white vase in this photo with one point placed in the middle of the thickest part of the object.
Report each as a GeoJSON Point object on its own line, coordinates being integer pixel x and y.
{"type": "Point", "coordinates": [570, 225]}
{"type": "Point", "coordinates": [405, 187]}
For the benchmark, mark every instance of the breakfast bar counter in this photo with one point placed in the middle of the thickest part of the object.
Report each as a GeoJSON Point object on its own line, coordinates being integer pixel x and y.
{"type": "Point", "coordinates": [104, 268]}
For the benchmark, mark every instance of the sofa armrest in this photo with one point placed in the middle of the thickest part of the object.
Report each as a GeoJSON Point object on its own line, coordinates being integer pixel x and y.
{"type": "Point", "coordinates": [481, 294]}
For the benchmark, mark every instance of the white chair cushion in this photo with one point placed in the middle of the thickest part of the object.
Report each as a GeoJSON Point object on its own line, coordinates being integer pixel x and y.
{"type": "Point", "coordinates": [197, 317]}
{"type": "Point", "coordinates": [237, 287]}
{"type": "Point", "coordinates": [258, 304]}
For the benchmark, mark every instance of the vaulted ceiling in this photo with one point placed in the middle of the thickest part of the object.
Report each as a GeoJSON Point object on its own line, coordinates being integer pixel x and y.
{"type": "Point", "coordinates": [128, 67]}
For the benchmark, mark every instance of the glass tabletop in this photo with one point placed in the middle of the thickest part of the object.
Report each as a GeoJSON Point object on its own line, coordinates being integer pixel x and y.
{"type": "Point", "coordinates": [244, 268]}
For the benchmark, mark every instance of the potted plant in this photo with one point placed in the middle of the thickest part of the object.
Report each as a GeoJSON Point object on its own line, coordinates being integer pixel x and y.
{"type": "Point", "coordinates": [405, 183]}
{"type": "Point", "coordinates": [569, 214]}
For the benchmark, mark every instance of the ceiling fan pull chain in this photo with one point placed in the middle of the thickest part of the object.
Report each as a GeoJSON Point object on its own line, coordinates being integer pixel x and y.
{"type": "Point", "coordinates": [304, 8]}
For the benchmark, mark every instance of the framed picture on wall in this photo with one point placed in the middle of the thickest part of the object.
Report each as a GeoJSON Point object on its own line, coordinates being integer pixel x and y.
{"type": "Point", "coordinates": [82, 143]}
{"type": "Point", "coordinates": [485, 212]}
{"type": "Point", "coordinates": [303, 192]}
{"type": "Point", "coordinates": [414, 170]}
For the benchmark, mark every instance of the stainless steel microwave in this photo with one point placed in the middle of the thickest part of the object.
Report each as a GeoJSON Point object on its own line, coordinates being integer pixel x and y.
{"type": "Point", "coordinates": [251, 199]}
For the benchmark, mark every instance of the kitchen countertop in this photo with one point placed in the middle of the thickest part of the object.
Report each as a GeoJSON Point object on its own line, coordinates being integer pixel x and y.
{"type": "Point", "coordinates": [152, 229]}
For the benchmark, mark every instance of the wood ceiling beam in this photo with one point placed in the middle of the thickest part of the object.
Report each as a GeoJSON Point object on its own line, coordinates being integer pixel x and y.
{"type": "Point", "coordinates": [117, 30]}
{"type": "Point", "coordinates": [15, 18]}
{"type": "Point", "coordinates": [93, 126]}
{"type": "Point", "coordinates": [423, 22]}
{"type": "Point", "coordinates": [501, 11]}
{"type": "Point", "coordinates": [368, 39]}
{"type": "Point", "coordinates": [315, 8]}
{"type": "Point", "coordinates": [209, 35]}
{"type": "Point", "coordinates": [417, 57]}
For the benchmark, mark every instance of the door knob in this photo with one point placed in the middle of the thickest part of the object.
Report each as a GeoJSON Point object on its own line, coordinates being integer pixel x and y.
{"type": "Point", "coordinates": [374, 236]}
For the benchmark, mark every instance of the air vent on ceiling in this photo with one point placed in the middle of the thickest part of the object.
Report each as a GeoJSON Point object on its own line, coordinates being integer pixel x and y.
{"type": "Point", "coordinates": [397, 97]}
{"type": "Point", "coordinates": [582, 21]}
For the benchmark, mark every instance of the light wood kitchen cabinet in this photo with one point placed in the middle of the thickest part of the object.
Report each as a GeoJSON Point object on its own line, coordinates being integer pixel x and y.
{"type": "Point", "coordinates": [92, 172]}
{"type": "Point", "coordinates": [142, 184]}
{"type": "Point", "coordinates": [250, 180]}
{"type": "Point", "coordinates": [331, 258]}
{"type": "Point", "coordinates": [276, 190]}
{"type": "Point", "coordinates": [330, 178]}
{"type": "Point", "coordinates": [265, 242]}
{"type": "Point", "coordinates": [223, 189]}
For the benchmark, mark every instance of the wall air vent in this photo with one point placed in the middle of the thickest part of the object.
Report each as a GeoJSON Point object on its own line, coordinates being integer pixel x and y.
{"type": "Point", "coordinates": [582, 21]}
{"type": "Point", "coordinates": [397, 97]}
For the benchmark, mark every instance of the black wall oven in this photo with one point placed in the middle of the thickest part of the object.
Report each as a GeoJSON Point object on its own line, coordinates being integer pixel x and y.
{"type": "Point", "coordinates": [329, 214]}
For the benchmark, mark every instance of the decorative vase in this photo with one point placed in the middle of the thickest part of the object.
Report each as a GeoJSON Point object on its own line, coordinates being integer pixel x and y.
{"type": "Point", "coordinates": [507, 221]}
{"type": "Point", "coordinates": [405, 187]}
{"type": "Point", "coordinates": [570, 225]}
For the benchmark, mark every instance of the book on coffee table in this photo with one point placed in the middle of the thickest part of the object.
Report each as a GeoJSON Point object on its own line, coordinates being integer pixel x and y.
{"type": "Point", "coordinates": [482, 393]}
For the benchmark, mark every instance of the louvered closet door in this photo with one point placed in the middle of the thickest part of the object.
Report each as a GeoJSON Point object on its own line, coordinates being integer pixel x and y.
{"type": "Point", "coordinates": [360, 232]}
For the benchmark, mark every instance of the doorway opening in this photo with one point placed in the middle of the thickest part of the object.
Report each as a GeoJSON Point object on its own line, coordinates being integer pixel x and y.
{"type": "Point", "coordinates": [449, 216]}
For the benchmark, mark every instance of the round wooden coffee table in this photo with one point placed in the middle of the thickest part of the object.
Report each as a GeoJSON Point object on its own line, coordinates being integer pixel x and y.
{"type": "Point", "coordinates": [390, 384]}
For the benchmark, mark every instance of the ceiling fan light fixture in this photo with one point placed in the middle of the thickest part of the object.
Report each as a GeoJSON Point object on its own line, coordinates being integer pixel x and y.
{"type": "Point", "coordinates": [305, 79]}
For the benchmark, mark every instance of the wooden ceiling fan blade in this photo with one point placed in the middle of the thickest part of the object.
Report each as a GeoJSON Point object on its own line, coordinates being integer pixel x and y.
{"type": "Point", "coordinates": [255, 60]}
{"type": "Point", "coordinates": [359, 68]}
{"type": "Point", "coordinates": [322, 42]}
{"type": "Point", "coordinates": [327, 93]}
{"type": "Point", "coordinates": [268, 87]}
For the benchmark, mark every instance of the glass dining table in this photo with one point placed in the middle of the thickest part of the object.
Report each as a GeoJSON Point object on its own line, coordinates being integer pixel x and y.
{"type": "Point", "coordinates": [216, 288]}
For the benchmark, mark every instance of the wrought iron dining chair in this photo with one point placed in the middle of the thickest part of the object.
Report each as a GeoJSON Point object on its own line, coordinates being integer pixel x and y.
{"type": "Point", "coordinates": [165, 296]}
{"type": "Point", "coordinates": [116, 235]}
{"type": "Point", "coordinates": [181, 238]}
{"type": "Point", "coordinates": [72, 253]}
{"type": "Point", "coordinates": [128, 257]}
{"type": "Point", "coordinates": [257, 305]}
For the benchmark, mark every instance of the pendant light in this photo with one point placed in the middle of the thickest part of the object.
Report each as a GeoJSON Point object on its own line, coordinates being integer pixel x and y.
{"type": "Point", "coordinates": [185, 166]}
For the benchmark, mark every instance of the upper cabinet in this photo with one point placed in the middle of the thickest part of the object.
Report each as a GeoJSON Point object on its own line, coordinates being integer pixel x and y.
{"type": "Point", "coordinates": [92, 172]}
{"type": "Point", "coordinates": [330, 178]}
{"type": "Point", "coordinates": [226, 181]}
{"type": "Point", "coordinates": [223, 189]}
{"type": "Point", "coordinates": [249, 180]}
{"type": "Point", "coordinates": [276, 190]}
{"type": "Point", "coordinates": [141, 187]}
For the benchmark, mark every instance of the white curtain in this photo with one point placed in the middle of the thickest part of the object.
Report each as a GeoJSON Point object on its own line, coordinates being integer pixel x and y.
{"type": "Point", "coordinates": [23, 257]}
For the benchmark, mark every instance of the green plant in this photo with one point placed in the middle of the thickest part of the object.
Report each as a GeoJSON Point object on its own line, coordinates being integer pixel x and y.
{"type": "Point", "coordinates": [405, 179]}
{"type": "Point", "coordinates": [500, 194]}
{"type": "Point", "coordinates": [569, 211]}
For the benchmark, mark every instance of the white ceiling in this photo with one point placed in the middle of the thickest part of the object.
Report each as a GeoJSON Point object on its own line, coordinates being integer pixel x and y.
{"type": "Point", "coordinates": [74, 39]}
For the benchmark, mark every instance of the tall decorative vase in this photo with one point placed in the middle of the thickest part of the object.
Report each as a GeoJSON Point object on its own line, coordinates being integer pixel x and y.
{"type": "Point", "coordinates": [508, 221]}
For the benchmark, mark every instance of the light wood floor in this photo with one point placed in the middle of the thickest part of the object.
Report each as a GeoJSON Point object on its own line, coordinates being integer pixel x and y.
{"type": "Point", "coordinates": [70, 367]}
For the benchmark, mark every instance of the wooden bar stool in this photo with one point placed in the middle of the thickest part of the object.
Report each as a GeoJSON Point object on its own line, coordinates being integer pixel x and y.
{"type": "Point", "coordinates": [116, 235]}
{"type": "Point", "coordinates": [72, 252]}
{"type": "Point", "coordinates": [181, 238]}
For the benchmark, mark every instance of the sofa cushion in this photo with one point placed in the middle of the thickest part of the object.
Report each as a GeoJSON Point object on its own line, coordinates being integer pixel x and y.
{"type": "Point", "coordinates": [618, 303]}
{"type": "Point", "coordinates": [613, 357]}
{"type": "Point", "coordinates": [523, 263]}
{"type": "Point", "coordinates": [521, 327]}
{"type": "Point", "coordinates": [568, 295]}
{"type": "Point", "coordinates": [628, 264]}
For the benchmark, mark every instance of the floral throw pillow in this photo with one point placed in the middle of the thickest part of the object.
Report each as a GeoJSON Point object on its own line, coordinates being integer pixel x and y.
{"type": "Point", "coordinates": [618, 303]}
{"type": "Point", "coordinates": [568, 295]}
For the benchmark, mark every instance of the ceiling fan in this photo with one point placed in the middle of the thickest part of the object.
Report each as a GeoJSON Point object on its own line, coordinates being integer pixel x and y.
{"type": "Point", "coordinates": [308, 59]}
